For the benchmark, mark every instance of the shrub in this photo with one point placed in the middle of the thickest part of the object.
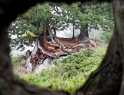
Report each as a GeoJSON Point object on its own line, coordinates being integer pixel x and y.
{"type": "Point", "coordinates": [69, 73]}
{"type": "Point", "coordinates": [15, 60]}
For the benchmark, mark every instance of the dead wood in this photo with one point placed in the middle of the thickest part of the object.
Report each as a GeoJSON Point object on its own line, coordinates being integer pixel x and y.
{"type": "Point", "coordinates": [45, 48]}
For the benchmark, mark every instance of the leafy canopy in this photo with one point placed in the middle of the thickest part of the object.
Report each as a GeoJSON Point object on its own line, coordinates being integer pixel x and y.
{"type": "Point", "coordinates": [59, 15]}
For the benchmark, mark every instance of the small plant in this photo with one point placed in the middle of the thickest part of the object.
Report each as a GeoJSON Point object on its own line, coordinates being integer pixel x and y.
{"type": "Point", "coordinates": [15, 62]}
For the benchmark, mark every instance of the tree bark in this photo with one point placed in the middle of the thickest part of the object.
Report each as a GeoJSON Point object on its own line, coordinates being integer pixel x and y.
{"type": "Point", "coordinates": [73, 32]}
{"type": "Point", "coordinates": [118, 8]}
{"type": "Point", "coordinates": [106, 80]}
{"type": "Point", "coordinates": [84, 33]}
{"type": "Point", "coordinates": [50, 33]}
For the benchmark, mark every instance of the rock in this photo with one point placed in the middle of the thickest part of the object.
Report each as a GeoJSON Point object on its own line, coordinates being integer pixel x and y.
{"type": "Point", "coordinates": [47, 63]}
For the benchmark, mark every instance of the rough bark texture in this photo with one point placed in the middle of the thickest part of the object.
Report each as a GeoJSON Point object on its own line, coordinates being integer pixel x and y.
{"type": "Point", "coordinates": [119, 22]}
{"type": "Point", "coordinates": [106, 80]}
{"type": "Point", "coordinates": [46, 48]}
{"type": "Point", "coordinates": [84, 33]}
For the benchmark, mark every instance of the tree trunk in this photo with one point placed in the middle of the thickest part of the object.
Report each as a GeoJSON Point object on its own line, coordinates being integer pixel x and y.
{"type": "Point", "coordinates": [51, 34]}
{"type": "Point", "coordinates": [118, 7]}
{"type": "Point", "coordinates": [108, 79]}
{"type": "Point", "coordinates": [6, 74]}
{"type": "Point", "coordinates": [84, 33]}
{"type": "Point", "coordinates": [84, 30]}
{"type": "Point", "coordinates": [73, 32]}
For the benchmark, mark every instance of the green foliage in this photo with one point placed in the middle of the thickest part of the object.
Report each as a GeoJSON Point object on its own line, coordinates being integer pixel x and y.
{"type": "Point", "coordinates": [106, 36]}
{"type": "Point", "coordinates": [69, 73]}
{"type": "Point", "coordinates": [15, 60]}
{"type": "Point", "coordinates": [90, 13]}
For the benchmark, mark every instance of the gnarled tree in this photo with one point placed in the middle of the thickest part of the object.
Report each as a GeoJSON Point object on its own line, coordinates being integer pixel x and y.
{"type": "Point", "coordinates": [107, 79]}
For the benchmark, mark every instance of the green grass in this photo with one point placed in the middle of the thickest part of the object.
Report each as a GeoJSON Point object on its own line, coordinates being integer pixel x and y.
{"type": "Point", "coordinates": [69, 73]}
{"type": "Point", "coordinates": [15, 62]}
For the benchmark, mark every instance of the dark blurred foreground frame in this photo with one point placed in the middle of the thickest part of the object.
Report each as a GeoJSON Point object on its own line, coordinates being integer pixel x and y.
{"type": "Point", "coordinates": [107, 79]}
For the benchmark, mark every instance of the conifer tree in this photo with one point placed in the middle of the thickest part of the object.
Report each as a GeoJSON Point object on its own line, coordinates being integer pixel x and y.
{"type": "Point", "coordinates": [59, 15]}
